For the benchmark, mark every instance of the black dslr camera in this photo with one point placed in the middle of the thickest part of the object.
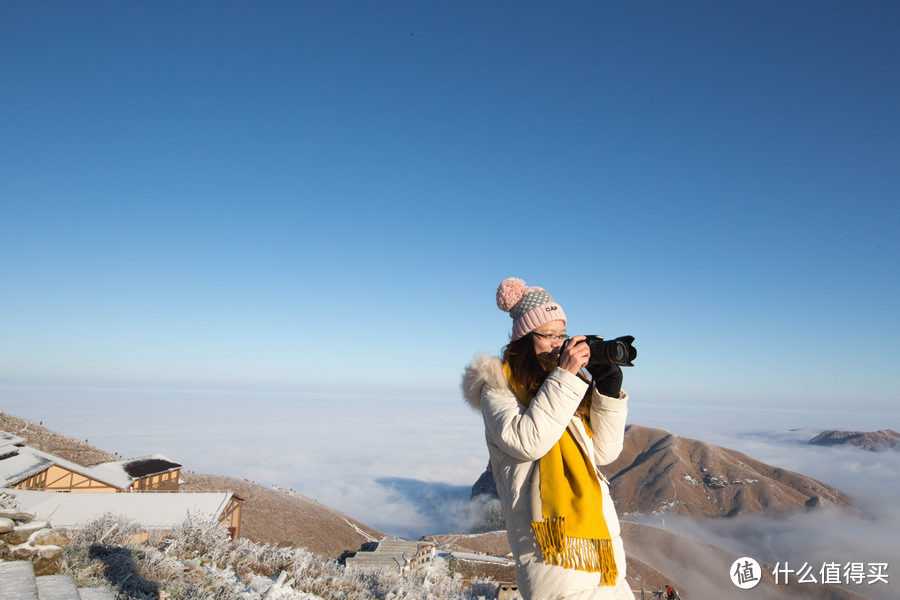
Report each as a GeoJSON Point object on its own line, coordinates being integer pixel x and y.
{"type": "Point", "coordinates": [614, 352]}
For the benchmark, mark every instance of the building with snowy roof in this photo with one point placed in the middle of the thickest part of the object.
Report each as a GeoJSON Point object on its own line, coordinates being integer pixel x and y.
{"type": "Point", "coordinates": [25, 467]}
{"type": "Point", "coordinates": [150, 511]}
{"type": "Point", "coordinates": [401, 555]}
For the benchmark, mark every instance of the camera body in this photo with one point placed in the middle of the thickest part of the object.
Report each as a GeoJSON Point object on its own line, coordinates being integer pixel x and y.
{"type": "Point", "coordinates": [619, 351]}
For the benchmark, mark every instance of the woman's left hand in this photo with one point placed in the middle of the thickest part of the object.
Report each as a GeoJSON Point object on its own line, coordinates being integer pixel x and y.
{"type": "Point", "coordinates": [607, 379]}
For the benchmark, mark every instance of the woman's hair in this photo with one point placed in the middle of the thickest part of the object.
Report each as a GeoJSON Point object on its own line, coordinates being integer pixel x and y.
{"type": "Point", "coordinates": [523, 363]}
{"type": "Point", "coordinates": [526, 369]}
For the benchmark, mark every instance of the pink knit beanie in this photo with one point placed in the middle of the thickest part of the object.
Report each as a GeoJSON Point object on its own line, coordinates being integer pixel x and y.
{"type": "Point", "coordinates": [530, 307]}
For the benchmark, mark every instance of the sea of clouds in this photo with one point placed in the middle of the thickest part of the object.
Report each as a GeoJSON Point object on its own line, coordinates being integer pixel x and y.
{"type": "Point", "coordinates": [405, 463]}
{"type": "Point", "coordinates": [867, 533]}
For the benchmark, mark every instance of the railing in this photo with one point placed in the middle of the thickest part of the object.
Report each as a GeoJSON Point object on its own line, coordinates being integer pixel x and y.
{"type": "Point", "coordinates": [651, 594]}
{"type": "Point", "coordinates": [178, 491]}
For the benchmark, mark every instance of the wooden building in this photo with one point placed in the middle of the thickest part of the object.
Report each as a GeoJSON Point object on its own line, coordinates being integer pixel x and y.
{"type": "Point", "coordinates": [149, 510]}
{"type": "Point", "coordinates": [23, 467]}
{"type": "Point", "coordinates": [26, 468]}
{"type": "Point", "coordinates": [395, 554]}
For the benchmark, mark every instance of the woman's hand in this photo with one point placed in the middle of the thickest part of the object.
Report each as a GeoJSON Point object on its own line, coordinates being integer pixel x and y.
{"type": "Point", "coordinates": [607, 379]}
{"type": "Point", "coordinates": [575, 355]}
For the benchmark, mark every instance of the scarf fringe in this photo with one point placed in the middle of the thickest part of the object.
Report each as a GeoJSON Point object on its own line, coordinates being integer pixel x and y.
{"type": "Point", "coordinates": [582, 554]}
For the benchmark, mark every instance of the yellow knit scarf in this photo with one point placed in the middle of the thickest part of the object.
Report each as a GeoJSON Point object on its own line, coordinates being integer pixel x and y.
{"type": "Point", "coordinates": [573, 533]}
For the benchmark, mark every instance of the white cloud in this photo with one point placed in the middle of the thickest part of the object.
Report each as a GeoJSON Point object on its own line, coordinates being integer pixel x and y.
{"type": "Point", "coordinates": [867, 533]}
{"type": "Point", "coordinates": [404, 465]}
{"type": "Point", "coordinates": [333, 448]}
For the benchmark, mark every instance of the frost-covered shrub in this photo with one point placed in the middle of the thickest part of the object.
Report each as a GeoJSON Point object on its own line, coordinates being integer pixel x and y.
{"type": "Point", "coordinates": [111, 530]}
{"type": "Point", "coordinates": [244, 555]}
{"type": "Point", "coordinates": [429, 583]}
{"type": "Point", "coordinates": [198, 560]}
{"type": "Point", "coordinates": [488, 589]}
{"type": "Point", "coordinates": [101, 552]}
{"type": "Point", "coordinates": [198, 535]}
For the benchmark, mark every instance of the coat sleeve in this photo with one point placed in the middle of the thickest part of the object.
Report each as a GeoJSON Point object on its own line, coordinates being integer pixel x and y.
{"type": "Point", "coordinates": [529, 433]}
{"type": "Point", "coordinates": [608, 426]}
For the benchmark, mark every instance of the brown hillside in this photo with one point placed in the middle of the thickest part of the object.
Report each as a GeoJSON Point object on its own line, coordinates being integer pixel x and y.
{"type": "Point", "coordinates": [699, 570]}
{"type": "Point", "coordinates": [495, 542]}
{"type": "Point", "coordinates": [491, 542]}
{"type": "Point", "coordinates": [873, 441]}
{"type": "Point", "coordinates": [660, 472]}
{"type": "Point", "coordinates": [658, 557]}
{"type": "Point", "coordinates": [275, 516]}
{"type": "Point", "coordinates": [78, 451]}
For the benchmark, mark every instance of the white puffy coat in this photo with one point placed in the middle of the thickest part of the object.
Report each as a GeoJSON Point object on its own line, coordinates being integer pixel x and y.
{"type": "Point", "coordinates": [517, 437]}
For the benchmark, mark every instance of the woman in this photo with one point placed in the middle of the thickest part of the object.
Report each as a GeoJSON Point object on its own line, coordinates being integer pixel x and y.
{"type": "Point", "coordinates": [548, 423]}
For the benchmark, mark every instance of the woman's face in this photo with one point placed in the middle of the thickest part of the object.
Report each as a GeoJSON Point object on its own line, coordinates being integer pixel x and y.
{"type": "Point", "coordinates": [548, 339]}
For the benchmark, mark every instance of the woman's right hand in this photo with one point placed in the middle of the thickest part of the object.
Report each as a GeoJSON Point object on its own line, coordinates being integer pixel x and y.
{"type": "Point", "coordinates": [575, 355]}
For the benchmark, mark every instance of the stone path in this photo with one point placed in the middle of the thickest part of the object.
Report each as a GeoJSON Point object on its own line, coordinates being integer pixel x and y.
{"type": "Point", "coordinates": [17, 582]}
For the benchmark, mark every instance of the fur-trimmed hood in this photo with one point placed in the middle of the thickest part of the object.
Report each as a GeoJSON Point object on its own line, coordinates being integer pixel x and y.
{"type": "Point", "coordinates": [484, 370]}
{"type": "Point", "coordinates": [487, 370]}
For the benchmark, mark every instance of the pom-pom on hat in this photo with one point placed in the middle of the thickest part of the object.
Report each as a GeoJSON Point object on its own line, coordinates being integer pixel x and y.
{"type": "Point", "coordinates": [529, 307]}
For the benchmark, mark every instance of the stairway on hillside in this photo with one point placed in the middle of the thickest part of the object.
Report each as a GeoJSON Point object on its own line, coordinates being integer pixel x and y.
{"type": "Point", "coordinates": [17, 582]}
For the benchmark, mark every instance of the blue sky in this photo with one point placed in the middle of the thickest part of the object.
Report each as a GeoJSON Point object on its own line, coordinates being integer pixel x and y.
{"type": "Point", "coordinates": [326, 195]}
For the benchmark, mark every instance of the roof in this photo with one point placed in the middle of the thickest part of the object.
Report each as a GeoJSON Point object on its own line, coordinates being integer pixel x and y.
{"type": "Point", "coordinates": [140, 467]}
{"type": "Point", "coordinates": [371, 558]}
{"type": "Point", "coordinates": [30, 461]}
{"type": "Point", "coordinates": [150, 510]}
{"type": "Point", "coordinates": [18, 462]}
{"type": "Point", "coordinates": [389, 552]}
{"type": "Point", "coordinates": [400, 546]}
{"type": "Point", "coordinates": [9, 444]}
{"type": "Point", "coordinates": [125, 472]}
{"type": "Point", "coordinates": [16, 467]}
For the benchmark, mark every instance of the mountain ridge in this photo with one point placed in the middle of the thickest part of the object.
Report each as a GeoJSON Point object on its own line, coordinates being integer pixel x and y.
{"type": "Point", "coordinates": [873, 441]}
{"type": "Point", "coordinates": [658, 472]}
